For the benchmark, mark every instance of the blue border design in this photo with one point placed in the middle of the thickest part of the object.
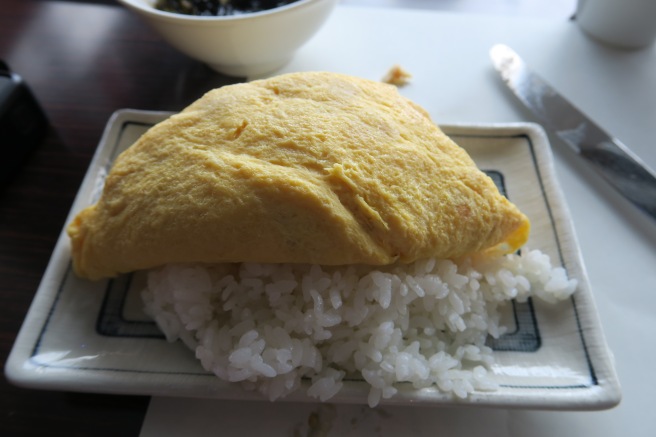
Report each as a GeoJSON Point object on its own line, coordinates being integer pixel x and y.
{"type": "Point", "coordinates": [111, 323]}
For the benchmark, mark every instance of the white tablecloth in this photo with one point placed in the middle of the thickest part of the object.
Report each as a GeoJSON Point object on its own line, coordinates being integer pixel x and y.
{"type": "Point", "coordinates": [447, 55]}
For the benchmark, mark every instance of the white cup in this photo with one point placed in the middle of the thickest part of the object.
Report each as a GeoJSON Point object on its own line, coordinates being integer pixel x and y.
{"type": "Point", "coordinates": [622, 23]}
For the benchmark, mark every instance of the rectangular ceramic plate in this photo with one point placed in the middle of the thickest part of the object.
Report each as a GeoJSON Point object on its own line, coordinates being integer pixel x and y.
{"type": "Point", "coordinates": [93, 336]}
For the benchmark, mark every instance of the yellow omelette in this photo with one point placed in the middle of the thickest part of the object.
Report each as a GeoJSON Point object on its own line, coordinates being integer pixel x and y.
{"type": "Point", "coordinates": [317, 168]}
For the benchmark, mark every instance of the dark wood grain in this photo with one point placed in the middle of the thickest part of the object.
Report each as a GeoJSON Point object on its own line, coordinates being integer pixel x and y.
{"type": "Point", "coordinates": [82, 62]}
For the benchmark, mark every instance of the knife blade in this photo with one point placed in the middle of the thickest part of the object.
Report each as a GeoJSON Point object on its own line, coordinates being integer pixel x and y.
{"type": "Point", "coordinates": [611, 158]}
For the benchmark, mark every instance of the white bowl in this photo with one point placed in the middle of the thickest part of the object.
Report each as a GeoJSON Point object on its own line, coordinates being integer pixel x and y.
{"type": "Point", "coordinates": [239, 45]}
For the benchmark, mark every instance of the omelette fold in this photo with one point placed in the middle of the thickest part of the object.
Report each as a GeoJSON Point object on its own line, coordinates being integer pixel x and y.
{"type": "Point", "coordinates": [317, 168]}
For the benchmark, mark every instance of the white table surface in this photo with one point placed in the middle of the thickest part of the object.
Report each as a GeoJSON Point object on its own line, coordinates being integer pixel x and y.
{"type": "Point", "coordinates": [447, 55]}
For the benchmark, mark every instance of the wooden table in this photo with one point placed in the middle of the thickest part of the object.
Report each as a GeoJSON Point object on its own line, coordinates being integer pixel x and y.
{"type": "Point", "coordinates": [83, 62]}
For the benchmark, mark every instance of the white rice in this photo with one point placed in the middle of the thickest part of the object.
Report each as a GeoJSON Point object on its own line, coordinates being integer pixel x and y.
{"type": "Point", "coordinates": [269, 326]}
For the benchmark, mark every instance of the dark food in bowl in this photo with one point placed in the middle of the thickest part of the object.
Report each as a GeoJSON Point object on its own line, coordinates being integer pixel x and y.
{"type": "Point", "coordinates": [218, 7]}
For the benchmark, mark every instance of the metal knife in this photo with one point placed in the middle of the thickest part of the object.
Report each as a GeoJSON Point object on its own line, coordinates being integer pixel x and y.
{"type": "Point", "coordinates": [609, 156]}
